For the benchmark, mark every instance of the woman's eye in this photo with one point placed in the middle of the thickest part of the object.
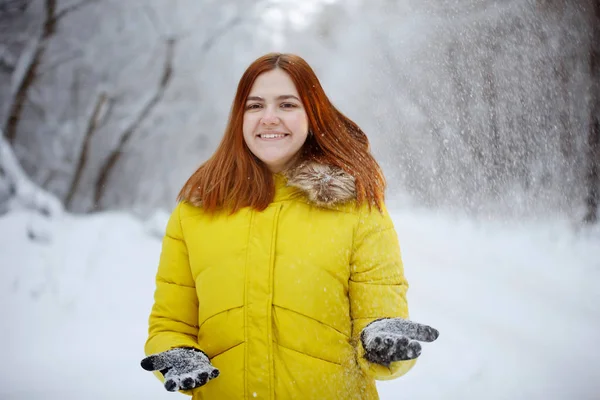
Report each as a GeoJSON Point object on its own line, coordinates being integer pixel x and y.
{"type": "Point", "coordinates": [252, 106]}
{"type": "Point", "coordinates": [288, 105]}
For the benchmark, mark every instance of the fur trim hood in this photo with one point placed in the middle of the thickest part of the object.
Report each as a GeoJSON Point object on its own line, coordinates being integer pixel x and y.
{"type": "Point", "coordinates": [324, 185]}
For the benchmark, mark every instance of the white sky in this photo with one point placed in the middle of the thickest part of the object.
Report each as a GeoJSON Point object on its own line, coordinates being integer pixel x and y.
{"type": "Point", "coordinates": [290, 14]}
{"type": "Point", "coordinates": [297, 12]}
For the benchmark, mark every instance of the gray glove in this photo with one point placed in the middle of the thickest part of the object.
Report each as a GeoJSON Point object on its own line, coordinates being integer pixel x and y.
{"type": "Point", "coordinates": [394, 339]}
{"type": "Point", "coordinates": [184, 368]}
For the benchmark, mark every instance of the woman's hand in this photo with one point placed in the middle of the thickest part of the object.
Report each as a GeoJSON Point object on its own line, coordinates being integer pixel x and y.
{"type": "Point", "coordinates": [395, 339]}
{"type": "Point", "coordinates": [183, 368]}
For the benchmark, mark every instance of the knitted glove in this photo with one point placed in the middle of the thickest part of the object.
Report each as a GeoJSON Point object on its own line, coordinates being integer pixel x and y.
{"type": "Point", "coordinates": [394, 339]}
{"type": "Point", "coordinates": [184, 368]}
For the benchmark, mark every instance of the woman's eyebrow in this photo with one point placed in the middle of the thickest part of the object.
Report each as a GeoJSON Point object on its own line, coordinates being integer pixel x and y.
{"type": "Point", "coordinates": [282, 97]}
{"type": "Point", "coordinates": [287, 96]}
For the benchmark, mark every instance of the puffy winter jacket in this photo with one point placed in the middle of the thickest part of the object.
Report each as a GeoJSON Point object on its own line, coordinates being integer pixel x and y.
{"type": "Point", "coordinates": [277, 298]}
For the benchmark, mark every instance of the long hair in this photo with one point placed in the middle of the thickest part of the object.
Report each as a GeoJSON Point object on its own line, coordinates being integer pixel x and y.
{"type": "Point", "coordinates": [234, 178]}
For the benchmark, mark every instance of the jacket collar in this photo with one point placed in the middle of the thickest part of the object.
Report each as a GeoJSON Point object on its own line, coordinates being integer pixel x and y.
{"type": "Point", "coordinates": [320, 184]}
{"type": "Point", "coordinates": [324, 185]}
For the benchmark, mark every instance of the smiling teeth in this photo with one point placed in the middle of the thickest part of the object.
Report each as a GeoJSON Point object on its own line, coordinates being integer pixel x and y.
{"type": "Point", "coordinates": [272, 135]}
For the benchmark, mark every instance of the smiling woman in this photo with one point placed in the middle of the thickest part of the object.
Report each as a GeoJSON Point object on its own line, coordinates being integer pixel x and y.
{"type": "Point", "coordinates": [280, 275]}
{"type": "Point", "coordinates": [275, 122]}
{"type": "Point", "coordinates": [236, 177]}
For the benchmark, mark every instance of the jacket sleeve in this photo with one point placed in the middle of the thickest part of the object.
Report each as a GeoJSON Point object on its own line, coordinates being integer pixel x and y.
{"type": "Point", "coordinates": [377, 287]}
{"type": "Point", "coordinates": [173, 321]}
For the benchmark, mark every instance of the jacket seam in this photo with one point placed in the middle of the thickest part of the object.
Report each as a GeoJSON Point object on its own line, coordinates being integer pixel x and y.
{"type": "Point", "coordinates": [312, 318]}
{"type": "Point", "coordinates": [354, 235]}
{"type": "Point", "coordinates": [181, 226]}
{"type": "Point", "coordinates": [246, 349]}
{"type": "Point", "coordinates": [219, 313]}
{"type": "Point", "coordinates": [304, 200]}
{"type": "Point", "coordinates": [163, 280]}
{"type": "Point", "coordinates": [270, 307]}
{"type": "Point", "coordinates": [308, 355]}
{"type": "Point", "coordinates": [339, 208]}
{"type": "Point", "coordinates": [226, 350]}
{"type": "Point", "coordinates": [175, 238]}
{"type": "Point", "coordinates": [373, 318]}
{"type": "Point", "coordinates": [159, 317]}
{"type": "Point", "coordinates": [377, 284]}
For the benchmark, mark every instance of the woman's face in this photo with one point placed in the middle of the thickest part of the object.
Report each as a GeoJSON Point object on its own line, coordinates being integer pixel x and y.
{"type": "Point", "coordinates": [275, 122]}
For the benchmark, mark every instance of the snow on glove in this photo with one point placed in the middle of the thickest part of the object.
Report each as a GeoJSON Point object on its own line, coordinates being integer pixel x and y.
{"type": "Point", "coordinates": [394, 339]}
{"type": "Point", "coordinates": [184, 368]}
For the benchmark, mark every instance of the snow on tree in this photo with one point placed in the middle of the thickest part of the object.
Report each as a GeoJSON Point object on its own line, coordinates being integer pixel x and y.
{"type": "Point", "coordinates": [122, 100]}
{"type": "Point", "coordinates": [480, 106]}
{"type": "Point", "coordinates": [17, 191]}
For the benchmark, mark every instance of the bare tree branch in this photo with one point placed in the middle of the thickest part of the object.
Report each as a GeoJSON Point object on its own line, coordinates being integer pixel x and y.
{"type": "Point", "coordinates": [27, 193]}
{"type": "Point", "coordinates": [22, 79]}
{"type": "Point", "coordinates": [30, 70]}
{"type": "Point", "coordinates": [85, 148]}
{"type": "Point", "coordinates": [8, 61]}
{"type": "Point", "coordinates": [72, 8]}
{"type": "Point", "coordinates": [125, 137]}
{"type": "Point", "coordinates": [218, 33]}
{"type": "Point", "coordinates": [50, 67]}
{"type": "Point", "coordinates": [13, 6]}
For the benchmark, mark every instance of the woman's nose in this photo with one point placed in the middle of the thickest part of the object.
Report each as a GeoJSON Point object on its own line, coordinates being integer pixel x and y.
{"type": "Point", "coordinates": [269, 118]}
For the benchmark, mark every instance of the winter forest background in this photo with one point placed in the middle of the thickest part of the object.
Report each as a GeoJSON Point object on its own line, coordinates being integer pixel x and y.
{"type": "Point", "coordinates": [485, 115]}
{"type": "Point", "coordinates": [487, 106]}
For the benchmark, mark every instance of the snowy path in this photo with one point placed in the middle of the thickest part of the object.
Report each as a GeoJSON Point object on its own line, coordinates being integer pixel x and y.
{"type": "Point", "coordinates": [517, 309]}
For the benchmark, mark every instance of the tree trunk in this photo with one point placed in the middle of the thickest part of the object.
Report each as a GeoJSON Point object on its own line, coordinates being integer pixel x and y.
{"type": "Point", "coordinates": [593, 168]}
{"type": "Point", "coordinates": [108, 166]}
{"type": "Point", "coordinates": [27, 76]}
{"type": "Point", "coordinates": [15, 109]}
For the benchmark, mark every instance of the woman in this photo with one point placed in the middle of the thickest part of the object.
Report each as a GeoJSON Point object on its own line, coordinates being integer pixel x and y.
{"type": "Point", "coordinates": [280, 275]}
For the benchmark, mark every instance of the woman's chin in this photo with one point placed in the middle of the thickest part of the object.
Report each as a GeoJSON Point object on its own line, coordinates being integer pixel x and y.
{"type": "Point", "coordinates": [277, 165]}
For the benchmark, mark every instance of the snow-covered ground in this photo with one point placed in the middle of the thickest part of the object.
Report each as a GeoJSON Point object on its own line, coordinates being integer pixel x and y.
{"type": "Point", "coordinates": [517, 307]}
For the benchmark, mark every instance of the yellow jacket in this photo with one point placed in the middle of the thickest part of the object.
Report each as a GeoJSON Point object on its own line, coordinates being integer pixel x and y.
{"type": "Point", "coordinates": [277, 298]}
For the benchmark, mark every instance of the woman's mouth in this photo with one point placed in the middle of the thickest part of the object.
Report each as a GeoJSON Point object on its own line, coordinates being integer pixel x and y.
{"type": "Point", "coordinates": [273, 136]}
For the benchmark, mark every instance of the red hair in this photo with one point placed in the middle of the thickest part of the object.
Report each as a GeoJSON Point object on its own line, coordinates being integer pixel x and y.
{"type": "Point", "coordinates": [234, 178]}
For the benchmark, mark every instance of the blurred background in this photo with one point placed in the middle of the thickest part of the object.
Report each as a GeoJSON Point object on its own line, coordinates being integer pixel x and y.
{"type": "Point", "coordinates": [485, 115]}
{"type": "Point", "coordinates": [482, 106]}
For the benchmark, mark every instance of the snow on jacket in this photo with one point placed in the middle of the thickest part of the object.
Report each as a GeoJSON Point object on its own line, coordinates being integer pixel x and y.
{"type": "Point", "coordinates": [277, 298]}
